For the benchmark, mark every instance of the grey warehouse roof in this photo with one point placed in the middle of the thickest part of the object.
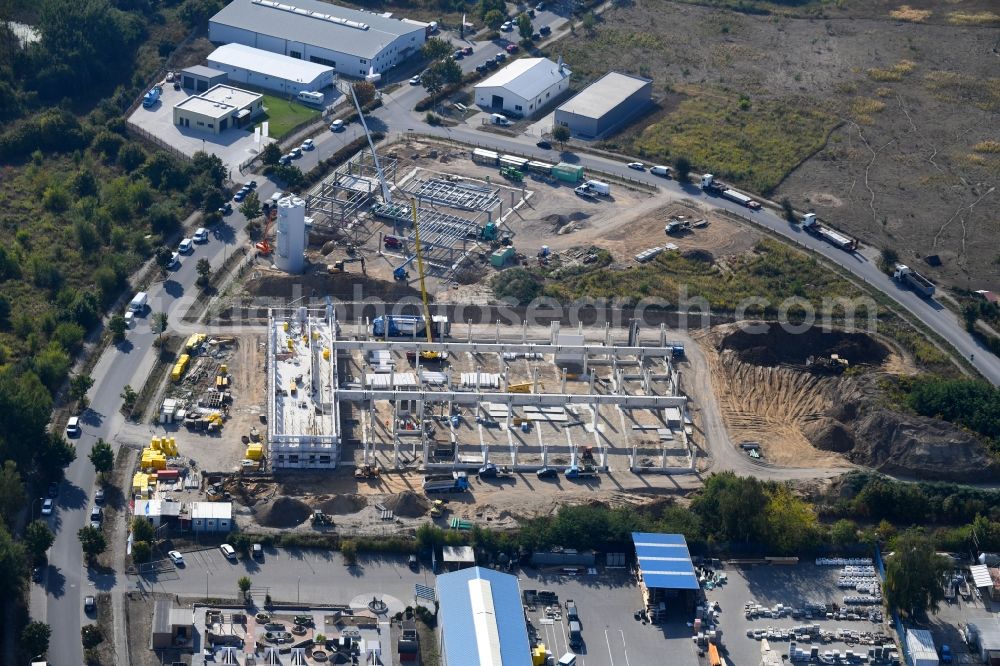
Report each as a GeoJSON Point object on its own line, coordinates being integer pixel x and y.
{"type": "Point", "coordinates": [316, 23]}
{"type": "Point", "coordinates": [202, 70]}
{"type": "Point", "coordinates": [603, 95]}
{"type": "Point", "coordinates": [267, 63]}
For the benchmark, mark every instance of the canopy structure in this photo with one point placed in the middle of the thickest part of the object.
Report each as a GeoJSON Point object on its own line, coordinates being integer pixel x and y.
{"type": "Point", "coordinates": [664, 561]}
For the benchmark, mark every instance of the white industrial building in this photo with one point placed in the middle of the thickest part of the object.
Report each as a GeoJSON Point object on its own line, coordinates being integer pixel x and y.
{"type": "Point", "coordinates": [271, 71]}
{"type": "Point", "coordinates": [212, 516]}
{"type": "Point", "coordinates": [523, 87]}
{"type": "Point", "coordinates": [605, 104]}
{"type": "Point", "coordinates": [351, 41]}
{"type": "Point", "coordinates": [217, 109]}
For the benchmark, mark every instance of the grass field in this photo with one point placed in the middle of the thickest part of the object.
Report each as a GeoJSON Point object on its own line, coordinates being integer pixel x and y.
{"type": "Point", "coordinates": [752, 142]}
{"type": "Point", "coordinates": [284, 115]}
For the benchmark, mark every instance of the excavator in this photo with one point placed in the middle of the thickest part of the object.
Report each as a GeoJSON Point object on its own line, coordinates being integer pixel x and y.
{"type": "Point", "coordinates": [264, 247]}
{"type": "Point", "coordinates": [340, 266]}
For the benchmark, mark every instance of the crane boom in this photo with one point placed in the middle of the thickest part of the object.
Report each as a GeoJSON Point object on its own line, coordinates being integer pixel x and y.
{"type": "Point", "coordinates": [386, 195]}
{"type": "Point", "coordinates": [420, 271]}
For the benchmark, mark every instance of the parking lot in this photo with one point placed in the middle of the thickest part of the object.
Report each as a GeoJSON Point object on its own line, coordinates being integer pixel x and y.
{"type": "Point", "coordinates": [606, 603]}
{"type": "Point", "coordinates": [791, 585]}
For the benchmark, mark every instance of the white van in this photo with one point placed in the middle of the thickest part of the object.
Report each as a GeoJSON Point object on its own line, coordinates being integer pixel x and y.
{"type": "Point", "coordinates": [138, 303]}
{"type": "Point", "coordinates": [568, 659]}
{"type": "Point", "coordinates": [129, 320]}
{"type": "Point", "coordinates": [660, 170]}
{"type": "Point", "coordinates": [499, 119]}
{"type": "Point", "coordinates": [310, 97]}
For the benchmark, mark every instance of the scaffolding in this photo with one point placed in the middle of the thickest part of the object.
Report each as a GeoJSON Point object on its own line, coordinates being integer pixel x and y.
{"type": "Point", "coordinates": [445, 239]}
{"type": "Point", "coordinates": [337, 205]}
{"type": "Point", "coordinates": [459, 195]}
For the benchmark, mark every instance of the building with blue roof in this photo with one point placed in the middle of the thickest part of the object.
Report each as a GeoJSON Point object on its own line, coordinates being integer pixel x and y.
{"type": "Point", "coordinates": [481, 619]}
{"type": "Point", "coordinates": [666, 573]}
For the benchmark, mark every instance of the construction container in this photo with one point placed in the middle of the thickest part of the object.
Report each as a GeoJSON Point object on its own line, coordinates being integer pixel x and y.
{"type": "Point", "coordinates": [569, 173]}
{"type": "Point", "coordinates": [194, 341]}
{"type": "Point", "coordinates": [254, 451]}
{"type": "Point", "coordinates": [539, 167]}
{"type": "Point", "coordinates": [512, 161]}
{"type": "Point", "coordinates": [180, 367]}
{"type": "Point", "coordinates": [500, 257]}
{"type": "Point", "coordinates": [481, 156]}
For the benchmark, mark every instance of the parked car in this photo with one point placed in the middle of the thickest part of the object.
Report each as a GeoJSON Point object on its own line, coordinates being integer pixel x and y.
{"type": "Point", "coordinates": [201, 235]}
{"type": "Point", "coordinates": [544, 145]}
{"type": "Point", "coordinates": [307, 144]}
{"type": "Point", "coordinates": [89, 604]}
{"type": "Point", "coordinates": [500, 57]}
{"type": "Point", "coordinates": [413, 562]}
{"type": "Point", "coordinates": [467, 50]}
{"type": "Point", "coordinates": [239, 196]}
{"type": "Point", "coordinates": [511, 48]}
{"type": "Point", "coordinates": [53, 490]}
{"type": "Point", "coordinates": [95, 514]}
{"type": "Point", "coordinates": [547, 473]}
{"type": "Point", "coordinates": [491, 64]}
{"type": "Point", "coordinates": [177, 85]}
{"type": "Point", "coordinates": [36, 575]}
{"type": "Point", "coordinates": [175, 261]}
{"type": "Point", "coordinates": [338, 125]}
{"type": "Point", "coordinates": [507, 27]}
{"type": "Point", "coordinates": [47, 507]}
{"type": "Point", "coordinates": [170, 77]}
{"type": "Point", "coordinates": [257, 551]}
{"type": "Point", "coordinates": [535, 36]}
{"type": "Point", "coordinates": [186, 246]}
{"type": "Point", "coordinates": [226, 209]}
{"type": "Point", "coordinates": [252, 185]}
{"type": "Point", "coordinates": [415, 80]}
{"type": "Point", "coordinates": [228, 551]}
{"type": "Point", "coordinates": [99, 496]}
{"type": "Point", "coordinates": [73, 426]}
{"type": "Point", "coordinates": [481, 68]}
{"type": "Point", "coordinates": [285, 159]}
{"type": "Point", "coordinates": [638, 166]}
{"type": "Point", "coordinates": [545, 31]}
{"type": "Point", "coordinates": [296, 153]}
{"type": "Point", "coordinates": [458, 54]}
{"type": "Point", "coordinates": [176, 558]}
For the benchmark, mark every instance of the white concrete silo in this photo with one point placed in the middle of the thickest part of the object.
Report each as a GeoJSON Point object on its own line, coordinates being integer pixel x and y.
{"type": "Point", "coordinates": [290, 235]}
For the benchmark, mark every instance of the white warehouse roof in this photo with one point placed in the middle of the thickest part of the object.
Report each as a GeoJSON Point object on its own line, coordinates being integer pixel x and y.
{"type": "Point", "coordinates": [359, 33]}
{"type": "Point", "coordinates": [267, 63]}
{"type": "Point", "coordinates": [527, 77]}
{"type": "Point", "coordinates": [604, 94]}
{"type": "Point", "coordinates": [920, 645]}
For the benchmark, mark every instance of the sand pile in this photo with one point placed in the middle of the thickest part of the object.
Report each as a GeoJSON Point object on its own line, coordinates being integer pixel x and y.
{"type": "Point", "coordinates": [342, 504]}
{"type": "Point", "coordinates": [407, 504]}
{"type": "Point", "coordinates": [283, 512]}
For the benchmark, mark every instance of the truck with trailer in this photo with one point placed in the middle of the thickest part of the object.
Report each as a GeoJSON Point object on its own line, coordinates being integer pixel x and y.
{"type": "Point", "coordinates": [409, 326]}
{"type": "Point", "coordinates": [741, 199]}
{"type": "Point", "coordinates": [712, 186]}
{"type": "Point", "coordinates": [832, 237]}
{"type": "Point", "coordinates": [915, 280]}
{"type": "Point", "coordinates": [459, 483]}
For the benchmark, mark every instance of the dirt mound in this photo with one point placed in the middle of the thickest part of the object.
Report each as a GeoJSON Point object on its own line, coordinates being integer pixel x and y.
{"type": "Point", "coordinates": [704, 256]}
{"type": "Point", "coordinates": [770, 345]}
{"type": "Point", "coordinates": [343, 504]}
{"type": "Point", "coordinates": [829, 435]}
{"type": "Point", "coordinates": [342, 286]}
{"type": "Point", "coordinates": [283, 512]}
{"type": "Point", "coordinates": [918, 446]}
{"type": "Point", "coordinates": [407, 504]}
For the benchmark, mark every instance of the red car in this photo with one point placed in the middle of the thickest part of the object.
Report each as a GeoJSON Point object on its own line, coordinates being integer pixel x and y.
{"type": "Point", "coordinates": [467, 50]}
{"type": "Point", "coordinates": [511, 48]}
{"type": "Point", "coordinates": [392, 243]}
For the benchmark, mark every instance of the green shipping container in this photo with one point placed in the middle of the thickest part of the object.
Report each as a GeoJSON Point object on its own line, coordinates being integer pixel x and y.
{"type": "Point", "coordinates": [501, 256]}
{"type": "Point", "coordinates": [569, 173]}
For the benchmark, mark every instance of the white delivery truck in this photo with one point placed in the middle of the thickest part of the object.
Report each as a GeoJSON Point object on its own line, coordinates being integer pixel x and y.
{"type": "Point", "coordinates": [660, 170]}
{"type": "Point", "coordinates": [597, 187]}
{"type": "Point", "coordinates": [138, 303]}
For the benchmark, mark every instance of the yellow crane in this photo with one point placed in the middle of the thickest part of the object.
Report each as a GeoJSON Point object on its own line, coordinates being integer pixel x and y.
{"type": "Point", "coordinates": [428, 323]}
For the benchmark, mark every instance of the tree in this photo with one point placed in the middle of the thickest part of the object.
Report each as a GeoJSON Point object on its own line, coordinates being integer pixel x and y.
{"type": "Point", "coordinates": [251, 206]}
{"type": "Point", "coordinates": [970, 313]}
{"type": "Point", "coordinates": [734, 505]}
{"type": "Point", "coordinates": [682, 166]}
{"type": "Point", "coordinates": [117, 327]}
{"type": "Point", "coordinates": [589, 22]}
{"type": "Point", "coordinates": [449, 71]}
{"type": "Point", "coordinates": [38, 538]}
{"type": "Point", "coordinates": [35, 639]}
{"type": "Point", "coordinates": [365, 92]}
{"type": "Point", "coordinates": [790, 522]}
{"type": "Point", "coordinates": [524, 27]}
{"type": "Point", "coordinates": [913, 574]}
{"type": "Point", "coordinates": [244, 583]}
{"type": "Point", "coordinates": [204, 272]}
{"type": "Point", "coordinates": [78, 387]}
{"type": "Point", "coordinates": [11, 491]}
{"type": "Point", "coordinates": [159, 324]}
{"type": "Point", "coordinates": [271, 154]}
{"type": "Point", "coordinates": [54, 455]}
{"type": "Point", "coordinates": [92, 541]}
{"type": "Point", "coordinates": [789, 210]}
{"type": "Point", "coordinates": [435, 48]}
{"type": "Point", "coordinates": [888, 258]}
{"type": "Point", "coordinates": [142, 529]}
{"type": "Point", "coordinates": [561, 134]}
{"type": "Point", "coordinates": [142, 552]}
{"type": "Point", "coordinates": [164, 257]}
{"type": "Point", "coordinates": [103, 457]}
{"type": "Point", "coordinates": [493, 19]}
{"type": "Point", "coordinates": [91, 636]}
{"type": "Point", "coordinates": [349, 550]}
{"type": "Point", "coordinates": [128, 396]}
{"type": "Point", "coordinates": [432, 82]}
{"type": "Point", "coordinates": [844, 532]}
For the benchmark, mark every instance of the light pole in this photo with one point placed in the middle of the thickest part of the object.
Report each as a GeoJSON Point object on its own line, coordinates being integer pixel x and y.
{"type": "Point", "coordinates": [298, 599]}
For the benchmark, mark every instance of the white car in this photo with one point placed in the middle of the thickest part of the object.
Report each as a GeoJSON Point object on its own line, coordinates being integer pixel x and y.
{"type": "Point", "coordinates": [176, 558]}
{"type": "Point", "coordinates": [186, 246]}
{"type": "Point", "coordinates": [228, 551]}
{"type": "Point", "coordinates": [175, 260]}
{"type": "Point", "coordinates": [415, 81]}
{"type": "Point", "coordinates": [507, 27]}
{"type": "Point", "coordinates": [47, 506]}
{"type": "Point", "coordinates": [338, 125]}
{"type": "Point", "coordinates": [285, 159]}
{"type": "Point", "coordinates": [201, 235]}
{"type": "Point", "coordinates": [307, 144]}
{"type": "Point", "coordinates": [73, 426]}
{"type": "Point", "coordinates": [638, 166]}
